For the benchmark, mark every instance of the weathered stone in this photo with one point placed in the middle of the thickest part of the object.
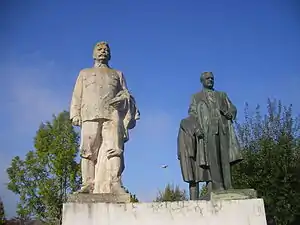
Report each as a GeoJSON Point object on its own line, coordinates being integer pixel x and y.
{"type": "Point", "coordinates": [234, 212]}
{"type": "Point", "coordinates": [232, 194]}
{"type": "Point", "coordinates": [207, 144]}
{"type": "Point", "coordinates": [105, 110]}
{"type": "Point", "coordinates": [96, 198]}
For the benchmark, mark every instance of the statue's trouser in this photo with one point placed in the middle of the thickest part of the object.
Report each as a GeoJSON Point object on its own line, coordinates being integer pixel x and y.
{"type": "Point", "coordinates": [194, 190]}
{"type": "Point", "coordinates": [97, 137]}
{"type": "Point", "coordinates": [219, 162]}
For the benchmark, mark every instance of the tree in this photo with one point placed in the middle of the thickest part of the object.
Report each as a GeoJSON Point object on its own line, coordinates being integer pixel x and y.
{"type": "Point", "coordinates": [171, 194]}
{"type": "Point", "coordinates": [203, 191]}
{"type": "Point", "coordinates": [271, 150]}
{"type": "Point", "coordinates": [133, 197]}
{"type": "Point", "coordinates": [48, 173]}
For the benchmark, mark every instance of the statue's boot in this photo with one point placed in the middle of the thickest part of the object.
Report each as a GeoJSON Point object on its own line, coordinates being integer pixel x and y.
{"type": "Point", "coordinates": [217, 186]}
{"type": "Point", "coordinates": [194, 190]}
{"type": "Point", "coordinates": [209, 187]}
{"type": "Point", "coordinates": [85, 188]}
{"type": "Point", "coordinates": [118, 189]}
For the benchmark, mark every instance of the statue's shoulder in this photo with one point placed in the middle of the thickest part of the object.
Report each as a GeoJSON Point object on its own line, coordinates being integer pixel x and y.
{"type": "Point", "coordinates": [119, 72]}
{"type": "Point", "coordinates": [187, 121]}
{"type": "Point", "coordinates": [86, 71]}
{"type": "Point", "coordinates": [222, 94]}
{"type": "Point", "coordinates": [198, 96]}
{"type": "Point", "coordinates": [115, 72]}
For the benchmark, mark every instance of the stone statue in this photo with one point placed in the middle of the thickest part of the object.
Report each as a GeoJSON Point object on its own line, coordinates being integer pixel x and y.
{"type": "Point", "coordinates": [105, 110]}
{"type": "Point", "coordinates": [188, 142]}
{"type": "Point", "coordinates": [214, 145]}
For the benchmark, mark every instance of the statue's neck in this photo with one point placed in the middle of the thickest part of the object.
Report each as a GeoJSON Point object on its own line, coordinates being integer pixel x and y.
{"type": "Point", "coordinates": [98, 64]}
{"type": "Point", "coordinates": [208, 89]}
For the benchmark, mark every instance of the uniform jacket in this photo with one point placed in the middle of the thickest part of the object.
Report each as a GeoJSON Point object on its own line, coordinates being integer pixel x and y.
{"type": "Point", "coordinates": [93, 89]}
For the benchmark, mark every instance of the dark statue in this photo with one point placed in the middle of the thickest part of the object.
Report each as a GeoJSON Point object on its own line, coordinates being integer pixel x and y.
{"type": "Point", "coordinates": [207, 143]}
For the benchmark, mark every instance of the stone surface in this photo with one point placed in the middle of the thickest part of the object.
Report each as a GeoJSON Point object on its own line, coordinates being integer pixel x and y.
{"type": "Point", "coordinates": [105, 110]}
{"type": "Point", "coordinates": [234, 212]}
{"type": "Point", "coordinates": [232, 194]}
{"type": "Point", "coordinates": [96, 198]}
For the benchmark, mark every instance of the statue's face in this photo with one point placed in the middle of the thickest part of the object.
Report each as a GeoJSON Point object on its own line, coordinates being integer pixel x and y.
{"type": "Point", "coordinates": [208, 80]}
{"type": "Point", "coordinates": [102, 52]}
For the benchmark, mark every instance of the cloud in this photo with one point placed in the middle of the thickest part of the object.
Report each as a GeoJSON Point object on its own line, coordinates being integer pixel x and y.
{"type": "Point", "coordinates": [33, 103]}
{"type": "Point", "coordinates": [8, 198]}
{"type": "Point", "coordinates": [29, 97]}
{"type": "Point", "coordinates": [32, 94]}
{"type": "Point", "coordinates": [155, 123]}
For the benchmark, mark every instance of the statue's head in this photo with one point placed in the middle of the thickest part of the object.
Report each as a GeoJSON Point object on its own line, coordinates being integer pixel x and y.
{"type": "Point", "coordinates": [101, 52]}
{"type": "Point", "coordinates": [207, 80]}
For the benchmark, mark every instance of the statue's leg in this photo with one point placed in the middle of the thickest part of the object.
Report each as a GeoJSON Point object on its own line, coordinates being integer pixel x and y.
{"type": "Point", "coordinates": [194, 190]}
{"type": "Point", "coordinates": [88, 146]}
{"type": "Point", "coordinates": [226, 171]}
{"type": "Point", "coordinates": [215, 163]}
{"type": "Point", "coordinates": [116, 164]}
{"type": "Point", "coordinates": [108, 171]}
{"type": "Point", "coordinates": [209, 186]}
{"type": "Point", "coordinates": [102, 180]}
{"type": "Point", "coordinates": [88, 172]}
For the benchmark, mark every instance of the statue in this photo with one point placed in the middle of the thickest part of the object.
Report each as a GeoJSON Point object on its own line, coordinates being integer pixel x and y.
{"type": "Point", "coordinates": [105, 110]}
{"type": "Point", "coordinates": [207, 143]}
{"type": "Point", "coordinates": [187, 142]}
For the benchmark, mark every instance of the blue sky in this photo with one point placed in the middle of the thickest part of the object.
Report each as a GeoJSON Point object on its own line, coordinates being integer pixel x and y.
{"type": "Point", "coordinates": [253, 48]}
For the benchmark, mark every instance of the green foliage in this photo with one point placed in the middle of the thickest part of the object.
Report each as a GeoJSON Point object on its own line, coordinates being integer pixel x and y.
{"type": "Point", "coordinates": [133, 197]}
{"type": "Point", "coordinates": [2, 212]}
{"type": "Point", "coordinates": [271, 150]}
{"type": "Point", "coordinates": [171, 194]}
{"type": "Point", "coordinates": [203, 191]}
{"type": "Point", "coordinates": [46, 175]}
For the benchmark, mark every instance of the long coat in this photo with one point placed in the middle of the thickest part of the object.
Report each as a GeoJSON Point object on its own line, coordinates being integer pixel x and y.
{"type": "Point", "coordinates": [200, 110]}
{"type": "Point", "coordinates": [188, 153]}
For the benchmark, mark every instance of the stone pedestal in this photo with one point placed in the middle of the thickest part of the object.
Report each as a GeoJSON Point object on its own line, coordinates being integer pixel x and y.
{"type": "Point", "coordinates": [225, 212]}
{"type": "Point", "coordinates": [96, 198]}
{"type": "Point", "coordinates": [232, 194]}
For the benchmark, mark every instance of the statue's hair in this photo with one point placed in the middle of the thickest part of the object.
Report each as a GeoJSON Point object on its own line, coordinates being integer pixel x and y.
{"type": "Point", "coordinates": [98, 46]}
{"type": "Point", "coordinates": [203, 74]}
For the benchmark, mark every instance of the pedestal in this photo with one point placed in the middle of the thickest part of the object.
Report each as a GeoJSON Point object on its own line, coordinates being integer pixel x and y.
{"type": "Point", "coordinates": [232, 194]}
{"type": "Point", "coordinates": [225, 212]}
{"type": "Point", "coordinates": [96, 198]}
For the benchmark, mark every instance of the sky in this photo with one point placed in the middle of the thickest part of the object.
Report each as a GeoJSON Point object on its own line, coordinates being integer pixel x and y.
{"type": "Point", "coordinates": [252, 47]}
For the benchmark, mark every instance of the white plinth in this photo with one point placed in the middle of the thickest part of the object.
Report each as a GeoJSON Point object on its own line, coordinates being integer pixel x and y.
{"type": "Point", "coordinates": [225, 212]}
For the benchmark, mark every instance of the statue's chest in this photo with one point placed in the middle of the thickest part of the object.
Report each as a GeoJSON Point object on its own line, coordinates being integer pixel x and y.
{"type": "Point", "coordinates": [101, 79]}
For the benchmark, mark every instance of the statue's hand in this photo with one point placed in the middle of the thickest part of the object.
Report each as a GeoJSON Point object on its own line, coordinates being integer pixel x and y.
{"type": "Point", "coordinates": [114, 153]}
{"type": "Point", "coordinates": [76, 121]}
{"type": "Point", "coordinates": [199, 133]}
{"type": "Point", "coordinates": [118, 105]}
{"type": "Point", "coordinates": [227, 115]}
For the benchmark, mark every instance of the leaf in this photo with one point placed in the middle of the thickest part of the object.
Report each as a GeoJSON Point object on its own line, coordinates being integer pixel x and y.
{"type": "Point", "coordinates": [171, 193]}
{"type": "Point", "coordinates": [48, 173]}
{"type": "Point", "coordinates": [271, 153]}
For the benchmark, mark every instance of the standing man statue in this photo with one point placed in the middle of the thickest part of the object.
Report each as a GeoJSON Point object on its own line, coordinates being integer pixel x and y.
{"type": "Point", "coordinates": [216, 147]}
{"type": "Point", "coordinates": [104, 109]}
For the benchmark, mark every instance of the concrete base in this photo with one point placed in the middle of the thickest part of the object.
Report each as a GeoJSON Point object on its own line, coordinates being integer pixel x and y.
{"type": "Point", "coordinates": [96, 198]}
{"type": "Point", "coordinates": [232, 194]}
{"type": "Point", "coordinates": [225, 212]}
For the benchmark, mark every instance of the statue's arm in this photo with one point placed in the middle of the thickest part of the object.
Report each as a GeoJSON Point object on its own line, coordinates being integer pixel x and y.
{"type": "Point", "coordinates": [123, 81]}
{"type": "Point", "coordinates": [193, 112]}
{"type": "Point", "coordinates": [193, 108]}
{"type": "Point", "coordinates": [76, 101]}
{"type": "Point", "coordinates": [231, 107]}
